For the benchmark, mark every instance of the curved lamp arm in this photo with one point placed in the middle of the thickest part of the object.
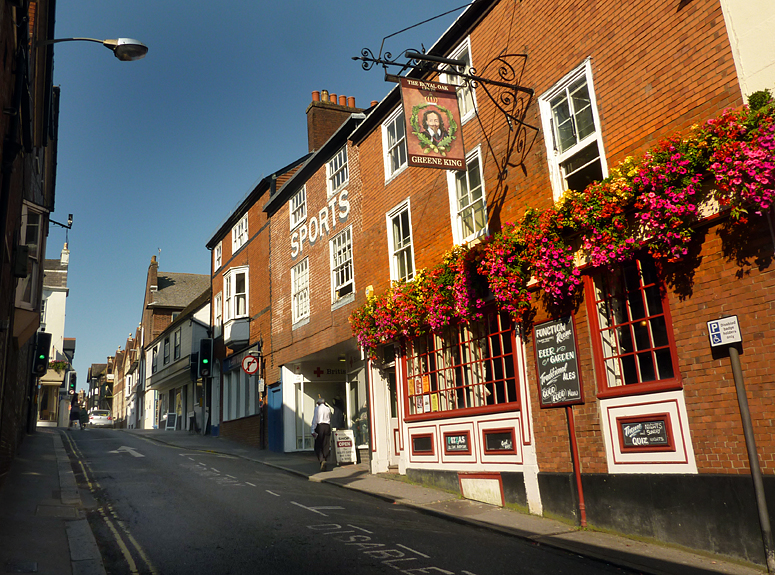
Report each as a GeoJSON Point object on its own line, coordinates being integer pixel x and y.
{"type": "Point", "coordinates": [125, 49]}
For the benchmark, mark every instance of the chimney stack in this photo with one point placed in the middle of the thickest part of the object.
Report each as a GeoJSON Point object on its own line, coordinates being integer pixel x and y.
{"type": "Point", "coordinates": [325, 114]}
{"type": "Point", "coordinates": [64, 257]}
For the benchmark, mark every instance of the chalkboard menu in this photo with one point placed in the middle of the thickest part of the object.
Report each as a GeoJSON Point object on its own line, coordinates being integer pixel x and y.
{"type": "Point", "coordinates": [645, 434]}
{"type": "Point", "coordinates": [559, 380]}
{"type": "Point", "coordinates": [172, 421]}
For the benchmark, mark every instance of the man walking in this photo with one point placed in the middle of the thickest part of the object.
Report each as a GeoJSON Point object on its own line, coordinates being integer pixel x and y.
{"type": "Point", "coordinates": [321, 431]}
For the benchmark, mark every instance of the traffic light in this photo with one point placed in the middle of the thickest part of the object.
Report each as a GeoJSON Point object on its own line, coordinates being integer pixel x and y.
{"type": "Point", "coordinates": [70, 381]}
{"type": "Point", "coordinates": [42, 347]}
{"type": "Point", "coordinates": [193, 366]}
{"type": "Point", "coordinates": [205, 360]}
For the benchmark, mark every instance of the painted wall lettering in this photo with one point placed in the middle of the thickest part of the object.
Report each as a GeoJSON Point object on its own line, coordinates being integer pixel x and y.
{"type": "Point", "coordinates": [316, 227]}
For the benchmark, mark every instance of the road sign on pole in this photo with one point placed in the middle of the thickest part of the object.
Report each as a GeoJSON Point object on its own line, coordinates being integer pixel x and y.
{"type": "Point", "coordinates": [250, 364]}
{"type": "Point", "coordinates": [724, 331]}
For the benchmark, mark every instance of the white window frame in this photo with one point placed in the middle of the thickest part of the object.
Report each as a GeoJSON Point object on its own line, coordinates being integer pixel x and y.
{"type": "Point", "coordinates": [339, 265]}
{"type": "Point", "coordinates": [217, 256]}
{"type": "Point", "coordinates": [337, 166]}
{"type": "Point", "coordinates": [458, 235]}
{"type": "Point", "coordinates": [27, 288]}
{"type": "Point", "coordinates": [298, 207]}
{"type": "Point", "coordinates": [395, 251]}
{"type": "Point", "coordinates": [239, 234]}
{"type": "Point", "coordinates": [166, 350]}
{"type": "Point", "coordinates": [464, 92]}
{"type": "Point", "coordinates": [231, 297]}
{"type": "Point", "coordinates": [176, 344]}
{"type": "Point", "coordinates": [554, 157]}
{"type": "Point", "coordinates": [218, 314]}
{"type": "Point", "coordinates": [300, 304]}
{"type": "Point", "coordinates": [395, 120]}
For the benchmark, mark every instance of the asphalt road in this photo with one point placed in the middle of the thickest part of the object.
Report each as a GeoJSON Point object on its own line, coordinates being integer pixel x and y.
{"type": "Point", "coordinates": [163, 510]}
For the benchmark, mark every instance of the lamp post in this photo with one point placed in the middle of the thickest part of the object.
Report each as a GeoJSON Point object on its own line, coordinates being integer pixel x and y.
{"type": "Point", "coordinates": [125, 49]}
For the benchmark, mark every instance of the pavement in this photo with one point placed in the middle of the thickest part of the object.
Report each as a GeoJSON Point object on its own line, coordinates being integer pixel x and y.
{"type": "Point", "coordinates": [43, 527]}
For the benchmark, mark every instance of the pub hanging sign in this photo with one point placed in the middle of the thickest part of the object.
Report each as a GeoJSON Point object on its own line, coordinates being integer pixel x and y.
{"type": "Point", "coordinates": [433, 135]}
{"type": "Point", "coordinates": [559, 381]}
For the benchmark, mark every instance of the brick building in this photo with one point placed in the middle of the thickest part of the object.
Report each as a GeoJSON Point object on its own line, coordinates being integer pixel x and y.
{"type": "Point", "coordinates": [315, 222]}
{"type": "Point", "coordinates": [273, 296]}
{"type": "Point", "coordinates": [241, 312]}
{"type": "Point", "coordinates": [464, 407]}
{"type": "Point", "coordinates": [28, 150]}
{"type": "Point", "coordinates": [611, 397]}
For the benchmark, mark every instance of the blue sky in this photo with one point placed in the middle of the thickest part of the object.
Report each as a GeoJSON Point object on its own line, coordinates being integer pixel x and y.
{"type": "Point", "coordinates": [155, 154]}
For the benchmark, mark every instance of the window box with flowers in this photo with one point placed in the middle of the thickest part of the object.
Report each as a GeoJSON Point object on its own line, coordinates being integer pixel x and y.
{"type": "Point", "coordinates": [646, 209]}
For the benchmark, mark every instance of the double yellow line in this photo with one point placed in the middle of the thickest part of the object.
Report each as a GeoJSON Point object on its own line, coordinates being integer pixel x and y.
{"type": "Point", "coordinates": [110, 513]}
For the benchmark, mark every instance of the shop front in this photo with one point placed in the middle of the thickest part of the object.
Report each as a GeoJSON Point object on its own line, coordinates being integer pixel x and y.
{"type": "Point", "coordinates": [341, 382]}
{"type": "Point", "coordinates": [453, 409]}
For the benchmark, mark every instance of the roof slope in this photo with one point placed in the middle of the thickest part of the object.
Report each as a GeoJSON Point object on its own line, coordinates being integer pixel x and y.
{"type": "Point", "coordinates": [178, 289]}
{"type": "Point", "coordinates": [54, 274]}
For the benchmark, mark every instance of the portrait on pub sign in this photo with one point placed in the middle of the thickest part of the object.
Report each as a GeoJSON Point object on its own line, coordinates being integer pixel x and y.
{"type": "Point", "coordinates": [434, 138]}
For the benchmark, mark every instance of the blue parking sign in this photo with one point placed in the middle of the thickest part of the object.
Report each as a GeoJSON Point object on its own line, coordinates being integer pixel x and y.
{"type": "Point", "coordinates": [724, 331]}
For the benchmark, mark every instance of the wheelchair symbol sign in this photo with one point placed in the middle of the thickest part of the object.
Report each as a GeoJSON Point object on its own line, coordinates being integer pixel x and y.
{"type": "Point", "coordinates": [724, 331]}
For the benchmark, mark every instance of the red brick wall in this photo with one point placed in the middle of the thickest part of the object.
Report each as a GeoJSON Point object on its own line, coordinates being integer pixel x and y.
{"type": "Point", "coordinates": [14, 359]}
{"type": "Point", "coordinates": [726, 285]}
{"type": "Point", "coordinates": [323, 119]}
{"type": "Point", "coordinates": [662, 68]}
{"type": "Point", "coordinates": [255, 254]}
{"type": "Point", "coordinates": [657, 71]}
{"type": "Point", "coordinates": [245, 430]}
{"type": "Point", "coordinates": [325, 327]}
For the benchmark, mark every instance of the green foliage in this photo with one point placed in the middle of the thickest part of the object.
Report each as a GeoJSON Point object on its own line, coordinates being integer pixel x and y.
{"type": "Point", "coordinates": [759, 100]}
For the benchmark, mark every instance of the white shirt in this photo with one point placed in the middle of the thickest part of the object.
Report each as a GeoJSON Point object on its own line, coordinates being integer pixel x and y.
{"type": "Point", "coordinates": [322, 415]}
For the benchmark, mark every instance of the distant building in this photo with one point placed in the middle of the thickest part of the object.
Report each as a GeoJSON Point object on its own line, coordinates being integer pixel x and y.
{"type": "Point", "coordinates": [167, 294]}
{"type": "Point", "coordinates": [53, 308]}
{"type": "Point", "coordinates": [172, 380]}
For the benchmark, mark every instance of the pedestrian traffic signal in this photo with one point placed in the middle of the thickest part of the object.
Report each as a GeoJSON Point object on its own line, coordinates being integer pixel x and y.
{"type": "Point", "coordinates": [205, 360]}
{"type": "Point", "coordinates": [70, 381]}
{"type": "Point", "coordinates": [42, 347]}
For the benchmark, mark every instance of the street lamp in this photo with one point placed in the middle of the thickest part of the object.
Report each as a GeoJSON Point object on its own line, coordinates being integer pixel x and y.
{"type": "Point", "coordinates": [125, 49]}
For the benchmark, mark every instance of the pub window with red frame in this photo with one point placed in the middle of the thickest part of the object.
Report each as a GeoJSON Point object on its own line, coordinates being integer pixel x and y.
{"type": "Point", "coordinates": [465, 367]}
{"type": "Point", "coordinates": [632, 332]}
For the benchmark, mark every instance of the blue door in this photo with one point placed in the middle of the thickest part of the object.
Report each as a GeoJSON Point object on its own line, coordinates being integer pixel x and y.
{"type": "Point", "coordinates": [274, 421]}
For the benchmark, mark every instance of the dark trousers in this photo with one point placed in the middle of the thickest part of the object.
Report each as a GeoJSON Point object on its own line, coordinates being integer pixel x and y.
{"type": "Point", "coordinates": [323, 441]}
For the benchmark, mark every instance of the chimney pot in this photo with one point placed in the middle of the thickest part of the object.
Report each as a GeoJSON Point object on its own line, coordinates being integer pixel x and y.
{"type": "Point", "coordinates": [374, 103]}
{"type": "Point", "coordinates": [324, 95]}
{"type": "Point", "coordinates": [342, 100]}
{"type": "Point", "coordinates": [315, 96]}
{"type": "Point", "coordinates": [332, 98]}
{"type": "Point", "coordinates": [351, 102]}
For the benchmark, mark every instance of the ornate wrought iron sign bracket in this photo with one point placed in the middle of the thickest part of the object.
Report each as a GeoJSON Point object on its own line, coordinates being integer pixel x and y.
{"type": "Point", "coordinates": [500, 80]}
{"type": "Point", "coordinates": [505, 91]}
